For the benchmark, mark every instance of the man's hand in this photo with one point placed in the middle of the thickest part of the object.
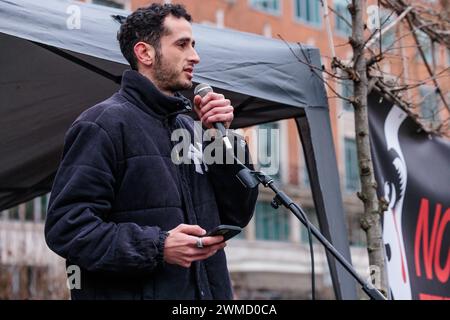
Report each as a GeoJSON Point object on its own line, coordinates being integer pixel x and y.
{"type": "Point", "coordinates": [213, 108]}
{"type": "Point", "coordinates": [181, 245]}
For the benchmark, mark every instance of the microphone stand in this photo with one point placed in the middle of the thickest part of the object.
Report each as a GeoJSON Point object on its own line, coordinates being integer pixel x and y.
{"type": "Point", "coordinates": [251, 179]}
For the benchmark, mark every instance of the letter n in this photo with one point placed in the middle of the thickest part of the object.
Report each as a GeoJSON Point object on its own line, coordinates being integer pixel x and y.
{"type": "Point", "coordinates": [428, 243]}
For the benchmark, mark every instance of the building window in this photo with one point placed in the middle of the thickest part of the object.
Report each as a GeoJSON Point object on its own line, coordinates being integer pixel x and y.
{"type": "Point", "coordinates": [272, 6]}
{"type": "Point", "coordinates": [14, 213]}
{"type": "Point", "coordinates": [271, 224]}
{"type": "Point", "coordinates": [269, 149]}
{"type": "Point", "coordinates": [425, 43]}
{"type": "Point", "coordinates": [388, 38]}
{"type": "Point", "coordinates": [304, 172]}
{"type": "Point", "coordinates": [429, 105]}
{"type": "Point", "coordinates": [109, 3]}
{"type": "Point", "coordinates": [44, 204]}
{"type": "Point", "coordinates": [347, 92]}
{"type": "Point", "coordinates": [308, 11]}
{"type": "Point", "coordinates": [341, 25]}
{"type": "Point", "coordinates": [29, 211]}
{"type": "Point", "coordinates": [351, 165]}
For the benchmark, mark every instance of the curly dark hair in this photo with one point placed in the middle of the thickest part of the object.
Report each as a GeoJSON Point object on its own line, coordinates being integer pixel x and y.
{"type": "Point", "coordinates": [147, 24]}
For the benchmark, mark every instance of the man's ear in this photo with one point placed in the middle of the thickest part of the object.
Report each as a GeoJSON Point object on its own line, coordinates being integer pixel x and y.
{"type": "Point", "coordinates": [144, 53]}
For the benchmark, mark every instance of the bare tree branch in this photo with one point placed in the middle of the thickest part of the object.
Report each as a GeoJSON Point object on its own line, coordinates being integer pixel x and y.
{"type": "Point", "coordinates": [420, 16]}
{"type": "Point", "coordinates": [340, 16]}
{"type": "Point", "coordinates": [427, 65]}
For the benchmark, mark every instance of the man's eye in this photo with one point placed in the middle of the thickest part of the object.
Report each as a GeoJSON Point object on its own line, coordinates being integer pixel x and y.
{"type": "Point", "coordinates": [182, 45]}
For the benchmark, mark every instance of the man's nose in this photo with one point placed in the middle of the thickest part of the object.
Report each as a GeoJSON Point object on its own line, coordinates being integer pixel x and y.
{"type": "Point", "coordinates": [194, 58]}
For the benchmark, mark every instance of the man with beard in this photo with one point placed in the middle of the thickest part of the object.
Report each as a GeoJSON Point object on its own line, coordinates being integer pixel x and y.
{"type": "Point", "coordinates": [121, 210]}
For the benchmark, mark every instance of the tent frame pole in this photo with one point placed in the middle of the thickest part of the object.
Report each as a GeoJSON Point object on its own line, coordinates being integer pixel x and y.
{"type": "Point", "coordinates": [319, 153]}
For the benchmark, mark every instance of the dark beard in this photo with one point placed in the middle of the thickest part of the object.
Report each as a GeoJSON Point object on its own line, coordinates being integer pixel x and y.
{"type": "Point", "coordinates": [166, 78]}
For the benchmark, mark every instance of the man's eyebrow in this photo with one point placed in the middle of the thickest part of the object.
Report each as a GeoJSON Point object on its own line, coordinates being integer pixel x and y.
{"type": "Point", "coordinates": [186, 39]}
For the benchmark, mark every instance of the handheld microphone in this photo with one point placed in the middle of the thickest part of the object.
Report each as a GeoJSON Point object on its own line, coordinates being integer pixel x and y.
{"type": "Point", "coordinates": [202, 90]}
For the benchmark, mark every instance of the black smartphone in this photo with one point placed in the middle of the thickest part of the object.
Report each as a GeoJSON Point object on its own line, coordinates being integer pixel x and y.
{"type": "Point", "coordinates": [224, 230]}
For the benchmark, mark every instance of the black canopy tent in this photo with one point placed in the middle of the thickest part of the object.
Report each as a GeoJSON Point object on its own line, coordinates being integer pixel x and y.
{"type": "Point", "coordinates": [51, 72]}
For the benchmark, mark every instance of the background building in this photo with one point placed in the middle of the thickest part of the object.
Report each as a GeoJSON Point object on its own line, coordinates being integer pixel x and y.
{"type": "Point", "coordinates": [270, 259]}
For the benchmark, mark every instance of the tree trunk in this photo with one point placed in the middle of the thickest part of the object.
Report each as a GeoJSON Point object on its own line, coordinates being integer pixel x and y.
{"type": "Point", "coordinates": [370, 220]}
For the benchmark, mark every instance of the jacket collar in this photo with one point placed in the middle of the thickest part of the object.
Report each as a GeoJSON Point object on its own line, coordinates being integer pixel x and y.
{"type": "Point", "coordinates": [144, 94]}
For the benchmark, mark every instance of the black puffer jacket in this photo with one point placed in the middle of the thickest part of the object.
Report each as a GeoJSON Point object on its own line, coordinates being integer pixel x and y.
{"type": "Point", "coordinates": [117, 191]}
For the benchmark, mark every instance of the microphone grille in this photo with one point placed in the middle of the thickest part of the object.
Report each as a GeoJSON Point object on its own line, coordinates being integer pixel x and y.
{"type": "Point", "coordinates": [202, 89]}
